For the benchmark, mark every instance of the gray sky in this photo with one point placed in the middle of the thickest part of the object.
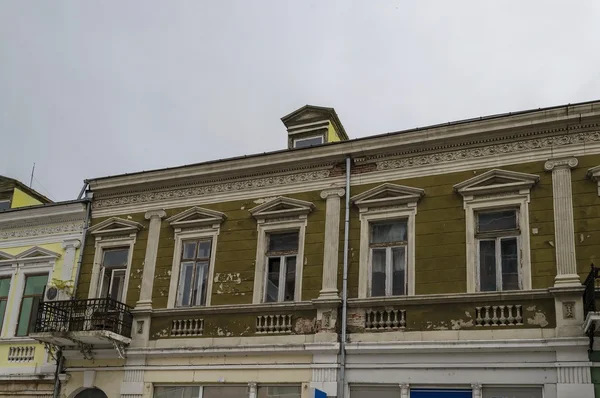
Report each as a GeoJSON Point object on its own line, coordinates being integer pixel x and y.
{"type": "Point", "coordinates": [94, 88]}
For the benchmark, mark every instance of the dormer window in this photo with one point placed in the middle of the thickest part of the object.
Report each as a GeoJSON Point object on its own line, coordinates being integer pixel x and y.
{"type": "Point", "coordinates": [4, 205]}
{"type": "Point", "coordinates": [308, 141]}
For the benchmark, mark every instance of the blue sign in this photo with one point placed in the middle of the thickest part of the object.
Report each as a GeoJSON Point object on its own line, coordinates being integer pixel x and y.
{"type": "Point", "coordinates": [440, 393]}
{"type": "Point", "coordinates": [319, 394]}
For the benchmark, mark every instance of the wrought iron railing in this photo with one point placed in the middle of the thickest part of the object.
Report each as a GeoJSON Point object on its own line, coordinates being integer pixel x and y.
{"type": "Point", "coordinates": [84, 315]}
{"type": "Point", "coordinates": [589, 294]}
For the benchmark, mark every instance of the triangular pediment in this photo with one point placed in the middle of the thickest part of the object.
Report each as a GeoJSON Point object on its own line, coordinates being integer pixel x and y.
{"type": "Point", "coordinates": [196, 217]}
{"type": "Point", "coordinates": [37, 251]}
{"type": "Point", "coordinates": [6, 256]}
{"type": "Point", "coordinates": [496, 181]}
{"type": "Point", "coordinates": [282, 207]}
{"type": "Point", "coordinates": [388, 195]}
{"type": "Point", "coordinates": [114, 226]}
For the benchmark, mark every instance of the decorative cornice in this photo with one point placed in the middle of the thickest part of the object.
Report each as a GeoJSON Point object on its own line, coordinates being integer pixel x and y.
{"type": "Point", "coordinates": [569, 163]}
{"type": "Point", "coordinates": [41, 230]}
{"type": "Point", "coordinates": [146, 197]}
{"type": "Point", "coordinates": [489, 150]}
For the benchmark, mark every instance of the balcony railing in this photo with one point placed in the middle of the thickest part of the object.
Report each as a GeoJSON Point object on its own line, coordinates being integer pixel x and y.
{"type": "Point", "coordinates": [102, 314]}
{"type": "Point", "coordinates": [589, 294]}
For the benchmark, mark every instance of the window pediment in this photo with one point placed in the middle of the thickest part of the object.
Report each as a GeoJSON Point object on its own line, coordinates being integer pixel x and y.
{"type": "Point", "coordinates": [115, 226]}
{"type": "Point", "coordinates": [388, 195]}
{"type": "Point", "coordinates": [282, 207]}
{"type": "Point", "coordinates": [497, 181]}
{"type": "Point", "coordinates": [196, 217]}
{"type": "Point", "coordinates": [6, 256]}
{"type": "Point", "coordinates": [37, 252]}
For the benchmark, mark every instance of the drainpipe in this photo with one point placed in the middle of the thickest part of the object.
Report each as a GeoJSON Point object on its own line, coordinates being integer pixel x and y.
{"type": "Point", "coordinates": [342, 378]}
{"type": "Point", "coordinates": [57, 372]}
{"type": "Point", "coordinates": [86, 224]}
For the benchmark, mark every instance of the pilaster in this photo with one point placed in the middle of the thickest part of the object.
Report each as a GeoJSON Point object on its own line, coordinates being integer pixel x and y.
{"type": "Point", "coordinates": [155, 217]}
{"type": "Point", "coordinates": [564, 228]}
{"type": "Point", "coordinates": [477, 390]}
{"type": "Point", "coordinates": [331, 242]}
{"type": "Point", "coordinates": [252, 390]}
{"type": "Point", "coordinates": [70, 246]}
{"type": "Point", "coordinates": [404, 390]}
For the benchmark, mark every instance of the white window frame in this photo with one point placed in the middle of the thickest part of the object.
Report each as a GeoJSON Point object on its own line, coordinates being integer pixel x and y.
{"type": "Point", "coordinates": [295, 140]}
{"type": "Point", "coordinates": [374, 215]}
{"type": "Point", "coordinates": [211, 233]}
{"type": "Point", "coordinates": [389, 268]}
{"type": "Point", "coordinates": [282, 269]}
{"type": "Point", "coordinates": [472, 205]}
{"type": "Point", "coordinates": [260, 272]}
{"type": "Point", "coordinates": [107, 243]}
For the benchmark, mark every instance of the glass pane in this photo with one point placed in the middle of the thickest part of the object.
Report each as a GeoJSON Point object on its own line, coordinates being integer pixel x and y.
{"type": "Point", "coordinates": [303, 143]}
{"type": "Point", "coordinates": [105, 283]}
{"type": "Point", "coordinates": [26, 307]}
{"type": "Point", "coordinates": [283, 242]}
{"type": "Point", "coordinates": [177, 392]}
{"type": "Point", "coordinates": [117, 284]}
{"type": "Point", "coordinates": [4, 205]}
{"type": "Point", "coordinates": [378, 272]}
{"type": "Point", "coordinates": [115, 258]}
{"type": "Point", "coordinates": [389, 231]}
{"type": "Point", "coordinates": [185, 283]}
{"type": "Point", "coordinates": [510, 264]}
{"type": "Point", "coordinates": [2, 311]}
{"type": "Point", "coordinates": [290, 278]}
{"type": "Point", "coordinates": [4, 287]}
{"type": "Point", "coordinates": [279, 392]}
{"type": "Point", "coordinates": [35, 284]}
{"type": "Point", "coordinates": [272, 289]}
{"type": "Point", "coordinates": [204, 249]}
{"type": "Point", "coordinates": [399, 271]}
{"type": "Point", "coordinates": [189, 250]}
{"type": "Point", "coordinates": [225, 392]}
{"type": "Point", "coordinates": [497, 220]}
{"type": "Point", "coordinates": [201, 282]}
{"type": "Point", "coordinates": [487, 265]}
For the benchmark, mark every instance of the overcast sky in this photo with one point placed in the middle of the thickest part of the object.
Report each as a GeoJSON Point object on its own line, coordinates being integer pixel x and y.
{"type": "Point", "coordinates": [95, 88]}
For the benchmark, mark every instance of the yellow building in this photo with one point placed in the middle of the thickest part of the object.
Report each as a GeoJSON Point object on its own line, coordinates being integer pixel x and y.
{"type": "Point", "coordinates": [39, 253]}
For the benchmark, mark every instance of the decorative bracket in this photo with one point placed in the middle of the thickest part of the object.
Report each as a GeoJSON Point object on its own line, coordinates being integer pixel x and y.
{"type": "Point", "coordinates": [120, 348]}
{"type": "Point", "coordinates": [84, 349]}
{"type": "Point", "coordinates": [51, 350]}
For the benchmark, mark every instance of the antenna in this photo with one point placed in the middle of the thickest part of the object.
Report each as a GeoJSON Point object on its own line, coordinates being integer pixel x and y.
{"type": "Point", "coordinates": [31, 179]}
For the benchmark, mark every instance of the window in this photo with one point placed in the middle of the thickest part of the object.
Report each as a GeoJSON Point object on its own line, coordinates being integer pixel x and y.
{"type": "Point", "coordinates": [308, 141]}
{"type": "Point", "coordinates": [388, 242]}
{"type": "Point", "coordinates": [4, 289]}
{"type": "Point", "coordinates": [281, 255]}
{"type": "Point", "coordinates": [194, 271]}
{"type": "Point", "coordinates": [114, 273]}
{"type": "Point", "coordinates": [498, 241]}
{"type": "Point", "coordinates": [4, 205]}
{"type": "Point", "coordinates": [279, 391]}
{"type": "Point", "coordinates": [32, 296]}
{"type": "Point", "coordinates": [201, 392]}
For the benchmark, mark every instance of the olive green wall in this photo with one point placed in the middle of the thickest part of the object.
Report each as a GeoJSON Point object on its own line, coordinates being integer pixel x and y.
{"type": "Point", "coordinates": [440, 251]}
{"type": "Point", "coordinates": [235, 254]}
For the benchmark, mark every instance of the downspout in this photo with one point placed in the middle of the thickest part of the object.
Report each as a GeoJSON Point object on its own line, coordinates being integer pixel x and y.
{"type": "Point", "coordinates": [59, 368]}
{"type": "Point", "coordinates": [86, 224]}
{"type": "Point", "coordinates": [342, 378]}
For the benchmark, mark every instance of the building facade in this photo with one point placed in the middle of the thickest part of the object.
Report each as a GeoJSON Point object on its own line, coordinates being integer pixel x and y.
{"type": "Point", "coordinates": [462, 249]}
{"type": "Point", "coordinates": [39, 249]}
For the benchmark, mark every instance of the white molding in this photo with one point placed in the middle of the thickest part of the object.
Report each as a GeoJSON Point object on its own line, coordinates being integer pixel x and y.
{"type": "Point", "coordinates": [329, 285]}
{"type": "Point", "coordinates": [401, 206]}
{"type": "Point", "coordinates": [115, 226]}
{"type": "Point", "coordinates": [102, 243]}
{"type": "Point", "coordinates": [207, 217]}
{"type": "Point", "coordinates": [17, 237]}
{"type": "Point", "coordinates": [291, 208]}
{"type": "Point", "coordinates": [471, 206]}
{"type": "Point", "coordinates": [477, 185]}
{"type": "Point", "coordinates": [263, 227]}
{"type": "Point", "coordinates": [181, 236]}
{"type": "Point", "coordinates": [594, 174]}
{"type": "Point", "coordinates": [6, 256]}
{"type": "Point", "coordinates": [33, 251]}
{"type": "Point", "coordinates": [41, 240]}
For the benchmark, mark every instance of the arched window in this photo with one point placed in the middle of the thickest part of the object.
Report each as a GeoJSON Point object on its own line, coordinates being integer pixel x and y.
{"type": "Point", "coordinates": [91, 393]}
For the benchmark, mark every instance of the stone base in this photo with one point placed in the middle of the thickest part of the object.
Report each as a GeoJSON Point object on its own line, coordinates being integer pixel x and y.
{"type": "Point", "coordinates": [567, 280]}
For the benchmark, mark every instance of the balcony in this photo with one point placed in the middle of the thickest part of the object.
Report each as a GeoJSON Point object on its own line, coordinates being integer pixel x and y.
{"type": "Point", "coordinates": [591, 325]}
{"type": "Point", "coordinates": [84, 324]}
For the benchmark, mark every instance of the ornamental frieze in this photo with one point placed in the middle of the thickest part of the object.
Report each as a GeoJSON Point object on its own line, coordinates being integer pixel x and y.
{"type": "Point", "coordinates": [41, 230]}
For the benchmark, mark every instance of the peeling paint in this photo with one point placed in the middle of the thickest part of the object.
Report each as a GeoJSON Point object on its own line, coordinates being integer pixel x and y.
{"type": "Point", "coordinates": [304, 326]}
{"type": "Point", "coordinates": [581, 238]}
{"type": "Point", "coordinates": [260, 201]}
{"type": "Point", "coordinates": [242, 208]}
{"type": "Point", "coordinates": [551, 243]}
{"type": "Point", "coordinates": [224, 332]}
{"type": "Point", "coordinates": [538, 319]}
{"type": "Point", "coordinates": [129, 218]}
{"type": "Point", "coordinates": [459, 323]}
{"type": "Point", "coordinates": [531, 308]}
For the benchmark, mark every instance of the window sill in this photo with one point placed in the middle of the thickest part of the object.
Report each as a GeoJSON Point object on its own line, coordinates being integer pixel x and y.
{"type": "Point", "coordinates": [237, 308]}
{"type": "Point", "coordinates": [18, 340]}
{"type": "Point", "coordinates": [450, 298]}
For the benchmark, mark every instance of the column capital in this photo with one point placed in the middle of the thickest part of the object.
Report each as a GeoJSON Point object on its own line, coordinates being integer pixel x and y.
{"type": "Point", "coordinates": [71, 243]}
{"type": "Point", "coordinates": [555, 163]}
{"type": "Point", "coordinates": [339, 192]}
{"type": "Point", "coordinates": [158, 213]}
{"type": "Point", "coordinates": [477, 390]}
